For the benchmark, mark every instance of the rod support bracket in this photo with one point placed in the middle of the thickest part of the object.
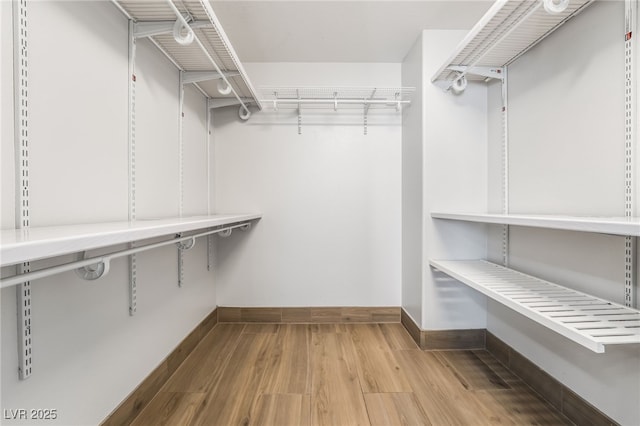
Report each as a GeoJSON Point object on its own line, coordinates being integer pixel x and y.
{"type": "Point", "coordinates": [187, 244]}
{"type": "Point", "coordinates": [94, 271]}
{"type": "Point", "coordinates": [225, 232]}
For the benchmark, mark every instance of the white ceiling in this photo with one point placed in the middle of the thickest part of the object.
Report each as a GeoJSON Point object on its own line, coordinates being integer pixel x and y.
{"type": "Point", "coordinates": [337, 31]}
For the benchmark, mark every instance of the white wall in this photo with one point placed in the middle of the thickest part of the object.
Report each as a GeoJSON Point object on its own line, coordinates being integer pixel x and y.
{"type": "Point", "coordinates": [88, 353]}
{"type": "Point", "coordinates": [413, 268]}
{"type": "Point", "coordinates": [330, 197]}
{"type": "Point", "coordinates": [566, 142]}
{"type": "Point", "coordinates": [6, 108]}
{"type": "Point", "coordinates": [455, 172]}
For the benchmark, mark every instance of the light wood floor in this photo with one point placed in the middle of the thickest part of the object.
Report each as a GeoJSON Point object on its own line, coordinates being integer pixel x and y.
{"type": "Point", "coordinates": [344, 374]}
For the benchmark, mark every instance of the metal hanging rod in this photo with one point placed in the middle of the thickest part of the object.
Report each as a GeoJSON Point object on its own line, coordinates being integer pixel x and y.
{"type": "Point", "coordinates": [339, 101]}
{"type": "Point", "coordinates": [106, 259]}
{"type": "Point", "coordinates": [333, 97]}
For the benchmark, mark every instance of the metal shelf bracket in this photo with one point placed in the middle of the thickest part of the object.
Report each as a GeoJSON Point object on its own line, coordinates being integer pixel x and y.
{"type": "Point", "coordinates": [488, 72]}
{"type": "Point", "coordinates": [198, 76]}
{"type": "Point", "coordinates": [143, 29]}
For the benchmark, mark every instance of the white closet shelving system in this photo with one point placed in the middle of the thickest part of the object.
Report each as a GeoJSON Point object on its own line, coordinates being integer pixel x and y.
{"type": "Point", "coordinates": [508, 29]}
{"type": "Point", "coordinates": [190, 35]}
{"type": "Point", "coordinates": [334, 98]}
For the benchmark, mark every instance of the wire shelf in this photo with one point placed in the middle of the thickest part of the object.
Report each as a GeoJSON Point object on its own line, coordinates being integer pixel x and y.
{"type": "Point", "coordinates": [506, 31]}
{"type": "Point", "coordinates": [191, 57]}
{"type": "Point", "coordinates": [587, 320]}
{"type": "Point", "coordinates": [336, 97]}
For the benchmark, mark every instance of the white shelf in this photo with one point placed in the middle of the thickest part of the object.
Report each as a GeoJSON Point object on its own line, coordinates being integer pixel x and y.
{"type": "Point", "coordinates": [587, 320]}
{"type": "Point", "coordinates": [191, 57]}
{"type": "Point", "coordinates": [506, 31]}
{"type": "Point", "coordinates": [25, 245]}
{"type": "Point", "coordinates": [602, 225]}
{"type": "Point", "coordinates": [336, 97]}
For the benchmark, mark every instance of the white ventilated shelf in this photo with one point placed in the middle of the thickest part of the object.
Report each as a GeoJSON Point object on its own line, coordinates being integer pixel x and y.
{"type": "Point", "coordinates": [191, 57]}
{"type": "Point", "coordinates": [336, 97]}
{"type": "Point", "coordinates": [506, 31]}
{"type": "Point", "coordinates": [602, 225]}
{"type": "Point", "coordinates": [587, 320]}
{"type": "Point", "coordinates": [25, 245]}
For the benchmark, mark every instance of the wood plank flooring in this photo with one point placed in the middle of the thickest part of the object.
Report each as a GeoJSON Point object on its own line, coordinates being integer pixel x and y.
{"type": "Point", "coordinates": [339, 375]}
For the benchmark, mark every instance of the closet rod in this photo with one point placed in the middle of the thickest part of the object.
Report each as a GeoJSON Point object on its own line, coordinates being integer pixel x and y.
{"type": "Point", "coordinates": [206, 52]}
{"type": "Point", "coordinates": [335, 100]}
{"type": "Point", "coordinates": [105, 259]}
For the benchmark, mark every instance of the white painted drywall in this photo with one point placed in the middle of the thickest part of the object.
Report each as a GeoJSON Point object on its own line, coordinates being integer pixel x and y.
{"type": "Point", "coordinates": [413, 268]}
{"type": "Point", "coordinates": [330, 198]}
{"type": "Point", "coordinates": [566, 141]}
{"type": "Point", "coordinates": [6, 124]}
{"type": "Point", "coordinates": [455, 178]}
{"type": "Point", "coordinates": [88, 353]}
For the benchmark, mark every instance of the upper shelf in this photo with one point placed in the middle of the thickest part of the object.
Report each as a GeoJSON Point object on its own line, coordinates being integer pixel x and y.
{"type": "Point", "coordinates": [23, 245]}
{"type": "Point", "coordinates": [191, 57]}
{"type": "Point", "coordinates": [506, 31]}
{"type": "Point", "coordinates": [336, 97]}
{"type": "Point", "coordinates": [602, 225]}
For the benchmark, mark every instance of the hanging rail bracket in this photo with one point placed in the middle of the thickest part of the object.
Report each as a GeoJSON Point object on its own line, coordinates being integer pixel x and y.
{"type": "Point", "coordinates": [488, 72]}
{"type": "Point", "coordinates": [198, 76]}
{"type": "Point", "coordinates": [143, 29]}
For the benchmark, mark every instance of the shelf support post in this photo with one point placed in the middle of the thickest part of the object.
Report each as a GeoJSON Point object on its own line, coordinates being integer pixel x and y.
{"type": "Point", "coordinates": [631, 122]}
{"type": "Point", "coordinates": [21, 141]}
{"type": "Point", "coordinates": [505, 166]}
{"type": "Point", "coordinates": [181, 171]}
{"type": "Point", "coordinates": [366, 109]}
{"type": "Point", "coordinates": [132, 263]}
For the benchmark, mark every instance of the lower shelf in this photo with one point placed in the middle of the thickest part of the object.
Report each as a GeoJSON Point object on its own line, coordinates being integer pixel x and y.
{"type": "Point", "coordinates": [587, 320]}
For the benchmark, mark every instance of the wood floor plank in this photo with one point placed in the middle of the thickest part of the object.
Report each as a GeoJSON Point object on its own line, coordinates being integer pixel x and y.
{"type": "Point", "coordinates": [397, 409]}
{"type": "Point", "coordinates": [254, 328]}
{"type": "Point", "coordinates": [322, 328]}
{"type": "Point", "coordinates": [397, 337]}
{"type": "Point", "coordinates": [339, 374]}
{"type": "Point", "coordinates": [336, 396]}
{"type": "Point", "coordinates": [496, 366]}
{"type": "Point", "coordinates": [522, 405]}
{"type": "Point", "coordinates": [230, 401]}
{"type": "Point", "coordinates": [288, 362]}
{"type": "Point", "coordinates": [442, 397]}
{"type": "Point", "coordinates": [204, 366]}
{"type": "Point", "coordinates": [470, 370]}
{"type": "Point", "coordinates": [170, 408]}
{"type": "Point", "coordinates": [282, 410]}
{"type": "Point", "coordinates": [377, 368]}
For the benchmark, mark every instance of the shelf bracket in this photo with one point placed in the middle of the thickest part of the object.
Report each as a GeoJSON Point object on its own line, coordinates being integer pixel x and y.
{"type": "Point", "coordinates": [198, 76]}
{"type": "Point", "coordinates": [225, 102]}
{"type": "Point", "coordinates": [488, 72]}
{"type": "Point", "coordinates": [299, 113]}
{"type": "Point", "coordinates": [210, 252]}
{"type": "Point", "coordinates": [366, 109]}
{"type": "Point", "coordinates": [143, 29]}
{"type": "Point", "coordinates": [133, 285]}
